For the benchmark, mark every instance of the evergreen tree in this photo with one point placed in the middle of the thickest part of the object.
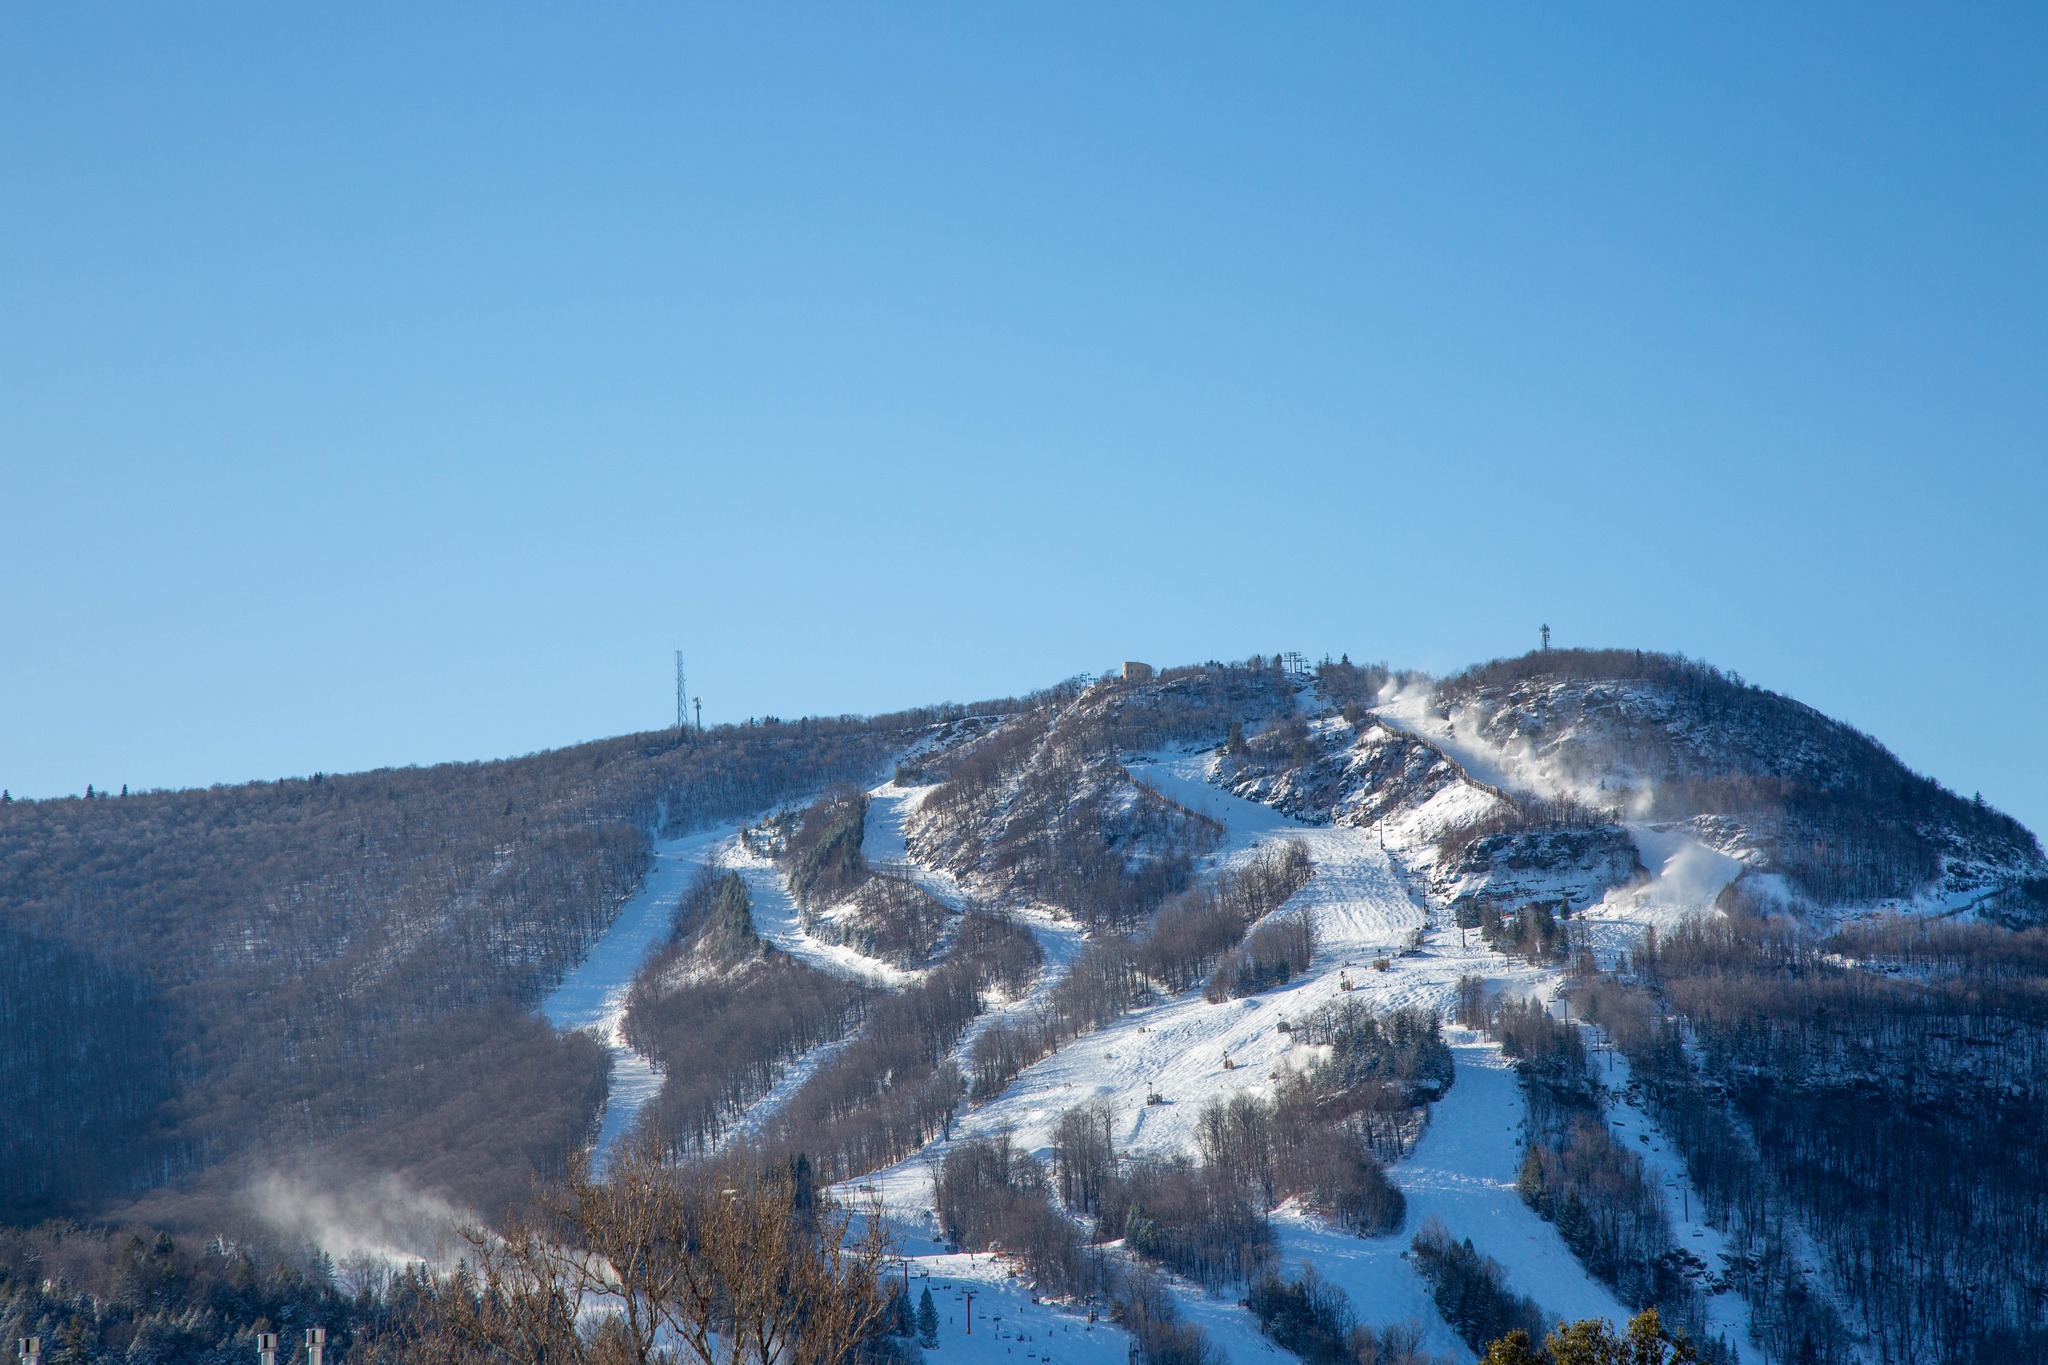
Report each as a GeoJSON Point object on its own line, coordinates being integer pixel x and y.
{"type": "Point", "coordinates": [804, 1186]}
{"type": "Point", "coordinates": [905, 1317]}
{"type": "Point", "coordinates": [927, 1319]}
{"type": "Point", "coordinates": [1529, 1184]}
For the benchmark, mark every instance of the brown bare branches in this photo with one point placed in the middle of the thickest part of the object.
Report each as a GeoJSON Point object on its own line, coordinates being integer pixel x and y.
{"type": "Point", "coordinates": [656, 1263]}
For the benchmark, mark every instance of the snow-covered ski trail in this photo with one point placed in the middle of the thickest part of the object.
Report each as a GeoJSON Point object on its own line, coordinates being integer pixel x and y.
{"type": "Point", "coordinates": [887, 846]}
{"type": "Point", "coordinates": [593, 996]}
{"type": "Point", "coordinates": [778, 920]}
{"type": "Point", "coordinates": [1464, 1167]}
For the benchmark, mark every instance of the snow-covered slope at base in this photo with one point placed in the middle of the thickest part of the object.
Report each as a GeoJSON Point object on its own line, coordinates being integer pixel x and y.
{"type": "Point", "coordinates": [1463, 1170]}
{"type": "Point", "coordinates": [594, 995]}
{"type": "Point", "coordinates": [1008, 1327]}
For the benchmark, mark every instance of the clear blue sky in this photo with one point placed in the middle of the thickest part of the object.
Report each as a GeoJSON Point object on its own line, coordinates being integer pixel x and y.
{"type": "Point", "coordinates": [383, 384]}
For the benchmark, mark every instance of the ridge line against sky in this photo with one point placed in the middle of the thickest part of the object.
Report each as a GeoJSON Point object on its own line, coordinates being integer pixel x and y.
{"type": "Point", "coordinates": [381, 386]}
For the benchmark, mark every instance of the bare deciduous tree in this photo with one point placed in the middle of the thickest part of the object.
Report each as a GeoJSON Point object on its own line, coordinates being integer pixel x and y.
{"type": "Point", "coordinates": [654, 1263]}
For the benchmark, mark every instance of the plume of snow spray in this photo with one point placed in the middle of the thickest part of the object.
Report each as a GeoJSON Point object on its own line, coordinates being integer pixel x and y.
{"type": "Point", "coordinates": [380, 1220]}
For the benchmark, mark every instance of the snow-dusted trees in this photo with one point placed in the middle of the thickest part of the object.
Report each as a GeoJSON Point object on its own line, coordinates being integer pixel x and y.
{"type": "Point", "coordinates": [895, 1087]}
{"type": "Point", "coordinates": [823, 854]}
{"type": "Point", "coordinates": [1471, 1289]}
{"type": "Point", "coordinates": [1311, 1317]}
{"type": "Point", "coordinates": [1272, 954]}
{"type": "Point", "coordinates": [1084, 1154]}
{"type": "Point", "coordinates": [841, 897]}
{"type": "Point", "coordinates": [723, 1014]}
{"type": "Point", "coordinates": [1380, 1073]}
{"type": "Point", "coordinates": [1203, 1215]}
{"type": "Point", "coordinates": [1594, 1341]}
{"type": "Point", "coordinates": [992, 1197]}
{"type": "Point", "coordinates": [1197, 928]}
{"type": "Point", "coordinates": [98, 1293]}
{"type": "Point", "coordinates": [349, 963]}
{"type": "Point", "coordinates": [1882, 1089]}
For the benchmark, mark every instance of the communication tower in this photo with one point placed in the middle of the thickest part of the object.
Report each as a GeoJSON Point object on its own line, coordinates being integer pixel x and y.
{"type": "Point", "coordinates": [1546, 635]}
{"type": "Point", "coordinates": [682, 711]}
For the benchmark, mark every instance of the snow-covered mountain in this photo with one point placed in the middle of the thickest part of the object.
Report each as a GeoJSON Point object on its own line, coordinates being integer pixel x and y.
{"type": "Point", "coordinates": [1521, 832]}
{"type": "Point", "coordinates": [1565, 986]}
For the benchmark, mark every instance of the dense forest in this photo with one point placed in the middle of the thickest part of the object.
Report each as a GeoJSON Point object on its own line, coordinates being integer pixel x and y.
{"type": "Point", "coordinates": [1886, 1089]}
{"type": "Point", "coordinates": [350, 962]}
{"type": "Point", "coordinates": [724, 1015]}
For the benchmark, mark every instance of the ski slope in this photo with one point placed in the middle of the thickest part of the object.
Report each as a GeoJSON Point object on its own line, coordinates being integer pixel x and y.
{"type": "Point", "coordinates": [1463, 1169]}
{"type": "Point", "coordinates": [885, 844]}
{"type": "Point", "coordinates": [593, 996]}
{"type": "Point", "coordinates": [777, 919]}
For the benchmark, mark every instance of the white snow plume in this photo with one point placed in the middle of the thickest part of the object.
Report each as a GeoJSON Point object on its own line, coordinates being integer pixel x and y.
{"type": "Point", "coordinates": [1518, 767]}
{"type": "Point", "coordinates": [379, 1219]}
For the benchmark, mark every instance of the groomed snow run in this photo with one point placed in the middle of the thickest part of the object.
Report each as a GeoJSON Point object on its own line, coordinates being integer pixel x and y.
{"type": "Point", "coordinates": [1463, 1170]}
{"type": "Point", "coordinates": [593, 996]}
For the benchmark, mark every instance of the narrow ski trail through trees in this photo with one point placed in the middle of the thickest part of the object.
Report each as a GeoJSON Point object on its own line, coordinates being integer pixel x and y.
{"type": "Point", "coordinates": [593, 996]}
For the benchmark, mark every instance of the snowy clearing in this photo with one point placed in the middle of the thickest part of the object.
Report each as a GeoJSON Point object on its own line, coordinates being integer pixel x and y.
{"type": "Point", "coordinates": [593, 996]}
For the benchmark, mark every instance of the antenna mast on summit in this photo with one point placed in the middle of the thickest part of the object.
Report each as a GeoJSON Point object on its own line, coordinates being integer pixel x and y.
{"type": "Point", "coordinates": [1546, 639]}
{"type": "Point", "coordinates": [682, 699]}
